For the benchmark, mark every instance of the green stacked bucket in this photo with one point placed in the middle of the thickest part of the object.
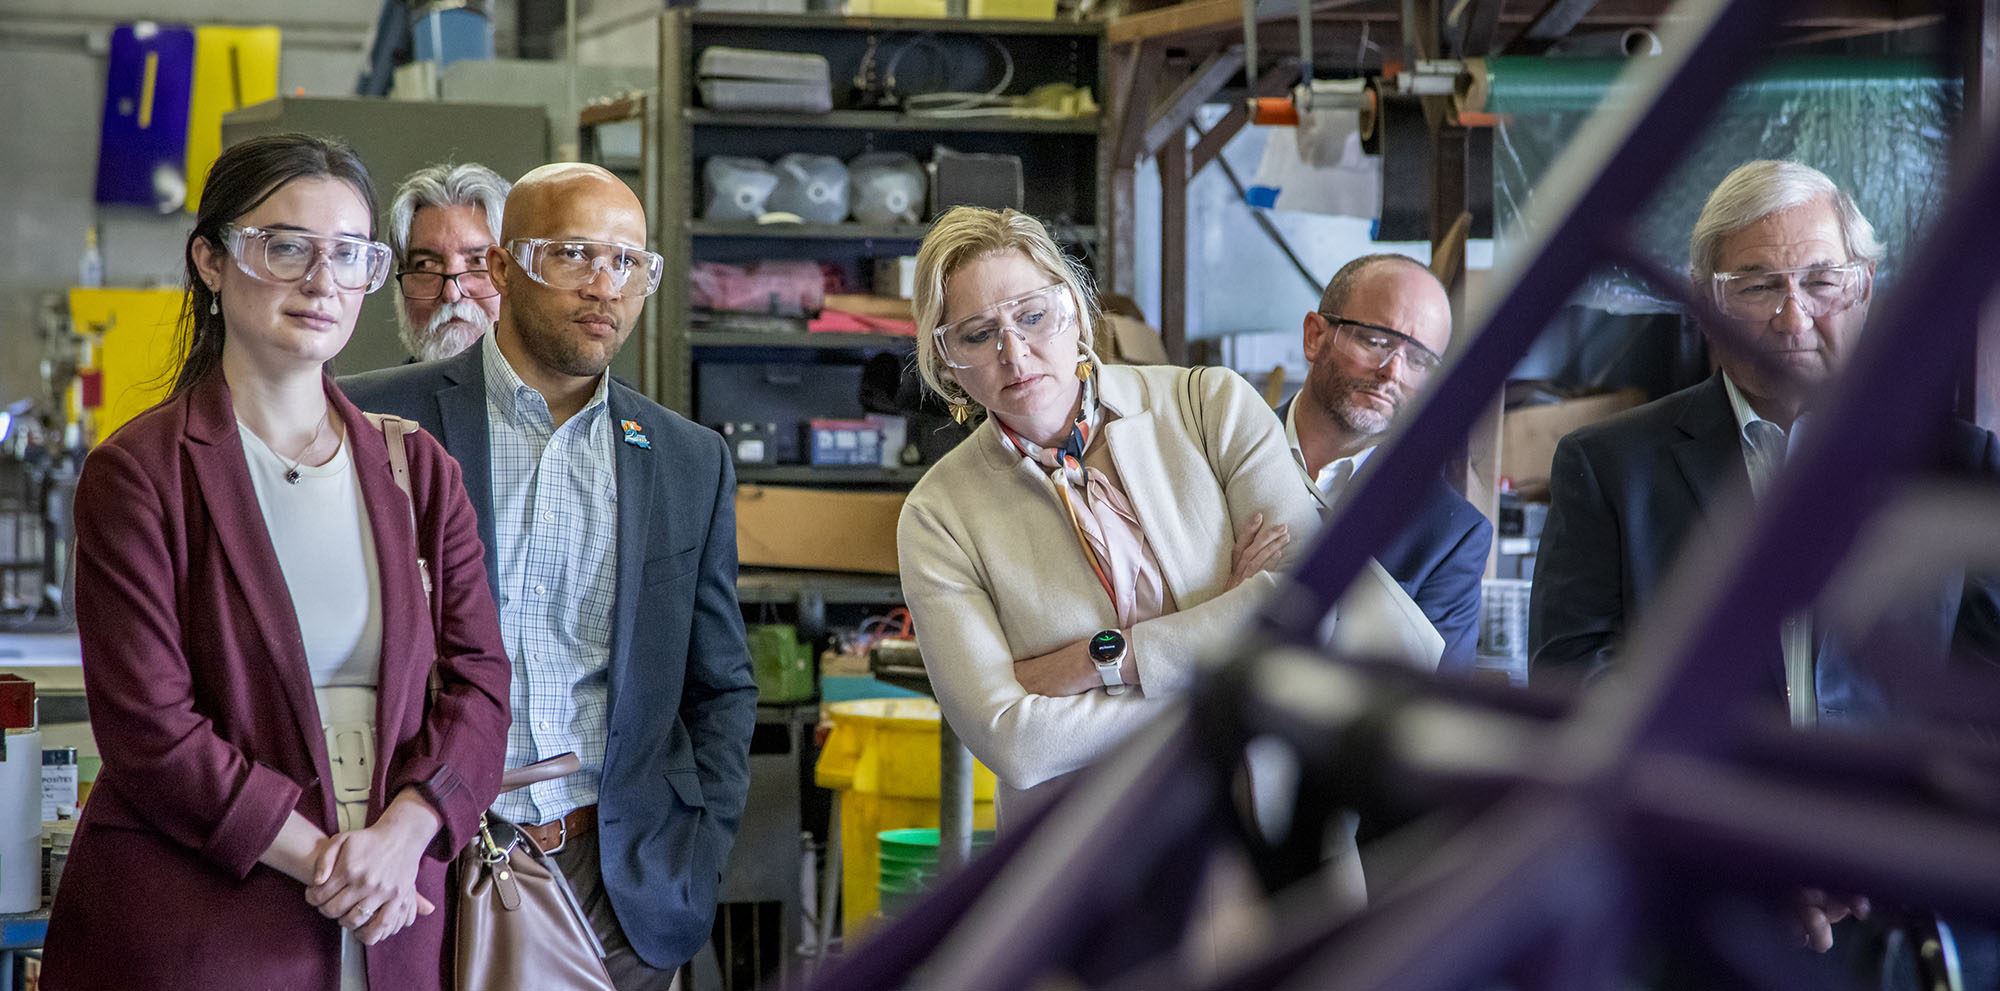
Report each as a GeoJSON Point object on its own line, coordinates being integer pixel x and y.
{"type": "Point", "coordinates": [909, 859]}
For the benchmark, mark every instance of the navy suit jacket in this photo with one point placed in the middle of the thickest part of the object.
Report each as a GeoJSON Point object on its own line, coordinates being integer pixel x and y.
{"type": "Point", "coordinates": [1630, 491]}
{"type": "Point", "coordinates": [1438, 557]}
{"type": "Point", "coordinates": [682, 702]}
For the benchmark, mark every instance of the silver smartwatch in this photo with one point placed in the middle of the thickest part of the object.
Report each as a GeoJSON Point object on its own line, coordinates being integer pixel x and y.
{"type": "Point", "coordinates": [1107, 651]}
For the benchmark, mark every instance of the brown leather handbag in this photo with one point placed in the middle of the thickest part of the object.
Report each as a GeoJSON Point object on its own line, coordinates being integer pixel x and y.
{"type": "Point", "coordinates": [517, 924]}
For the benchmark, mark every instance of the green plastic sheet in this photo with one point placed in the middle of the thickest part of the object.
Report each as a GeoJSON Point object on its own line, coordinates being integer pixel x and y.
{"type": "Point", "coordinates": [1879, 127]}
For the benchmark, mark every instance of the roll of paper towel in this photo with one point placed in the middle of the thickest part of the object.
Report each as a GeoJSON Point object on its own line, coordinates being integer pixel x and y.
{"type": "Point", "coordinates": [21, 823]}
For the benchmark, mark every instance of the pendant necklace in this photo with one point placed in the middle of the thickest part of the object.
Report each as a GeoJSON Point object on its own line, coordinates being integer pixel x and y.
{"type": "Point", "coordinates": [292, 473]}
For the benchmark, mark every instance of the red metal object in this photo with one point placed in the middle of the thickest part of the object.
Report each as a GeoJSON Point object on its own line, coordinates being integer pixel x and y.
{"type": "Point", "coordinates": [17, 702]}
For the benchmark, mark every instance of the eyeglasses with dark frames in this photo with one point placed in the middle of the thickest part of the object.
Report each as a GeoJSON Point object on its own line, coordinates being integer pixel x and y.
{"type": "Point", "coordinates": [474, 283]}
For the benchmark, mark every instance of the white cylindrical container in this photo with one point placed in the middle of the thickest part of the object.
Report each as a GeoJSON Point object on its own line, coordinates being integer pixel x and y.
{"type": "Point", "coordinates": [21, 822]}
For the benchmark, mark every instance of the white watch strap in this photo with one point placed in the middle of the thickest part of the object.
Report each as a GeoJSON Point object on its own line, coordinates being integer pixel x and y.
{"type": "Point", "coordinates": [1114, 682]}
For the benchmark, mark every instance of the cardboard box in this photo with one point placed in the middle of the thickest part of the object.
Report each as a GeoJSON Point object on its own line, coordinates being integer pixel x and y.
{"type": "Point", "coordinates": [1528, 435]}
{"type": "Point", "coordinates": [784, 527]}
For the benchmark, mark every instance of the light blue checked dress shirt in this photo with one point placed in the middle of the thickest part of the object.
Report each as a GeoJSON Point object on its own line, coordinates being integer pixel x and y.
{"type": "Point", "coordinates": [555, 529]}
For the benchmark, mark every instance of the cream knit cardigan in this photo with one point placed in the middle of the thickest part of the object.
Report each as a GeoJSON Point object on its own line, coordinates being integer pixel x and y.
{"type": "Point", "coordinates": [992, 570]}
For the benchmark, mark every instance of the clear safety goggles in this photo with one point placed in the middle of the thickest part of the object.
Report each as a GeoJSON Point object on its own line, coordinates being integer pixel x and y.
{"type": "Point", "coordinates": [976, 341]}
{"type": "Point", "coordinates": [574, 264]}
{"type": "Point", "coordinates": [1376, 343]}
{"type": "Point", "coordinates": [1818, 291]}
{"type": "Point", "coordinates": [355, 264]}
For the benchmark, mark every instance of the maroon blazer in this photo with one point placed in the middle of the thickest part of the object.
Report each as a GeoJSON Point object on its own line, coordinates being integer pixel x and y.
{"type": "Point", "coordinates": [203, 707]}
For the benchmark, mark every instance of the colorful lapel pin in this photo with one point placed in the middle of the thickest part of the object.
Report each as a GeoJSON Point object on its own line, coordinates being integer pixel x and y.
{"type": "Point", "coordinates": [635, 435]}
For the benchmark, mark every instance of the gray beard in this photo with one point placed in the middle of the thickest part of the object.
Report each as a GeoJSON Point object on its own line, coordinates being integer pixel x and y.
{"type": "Point", "coordinates": [450, 330]}
{"type": "Point", "coordinates": [1359, 421]}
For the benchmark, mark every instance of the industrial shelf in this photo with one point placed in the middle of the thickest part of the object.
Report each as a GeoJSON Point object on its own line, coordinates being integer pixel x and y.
{"type": "Point", "coordinates": [780, 586]}
{"type": "Point", "coordinates": [999, 26]}
{"type": "Point", "coordinates": [825, 475]}
{"type": "Point", "coordinates": [854, 232]}
{"type": "Point", "coordinates": [827, 340]}
{"type": "Point", "coordinates": [888, 120]}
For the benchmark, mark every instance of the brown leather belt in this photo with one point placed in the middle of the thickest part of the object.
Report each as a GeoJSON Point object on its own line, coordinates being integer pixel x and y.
{"type": "Point", "coordinates": [552, 835]}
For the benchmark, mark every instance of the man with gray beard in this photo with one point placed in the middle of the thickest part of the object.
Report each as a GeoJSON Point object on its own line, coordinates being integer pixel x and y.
{"type": "Point", "coordinates": [441, 223]}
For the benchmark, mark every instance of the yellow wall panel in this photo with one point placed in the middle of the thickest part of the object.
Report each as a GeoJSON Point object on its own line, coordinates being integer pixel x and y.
{"type": "Point", "coordinates": [233, 68]}
{"type": "Point", "coordinates": [132, 347]}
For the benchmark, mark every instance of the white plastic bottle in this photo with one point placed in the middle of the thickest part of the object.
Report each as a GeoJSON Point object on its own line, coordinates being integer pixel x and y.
{"type": "Point", "coordinates": [90, 268]}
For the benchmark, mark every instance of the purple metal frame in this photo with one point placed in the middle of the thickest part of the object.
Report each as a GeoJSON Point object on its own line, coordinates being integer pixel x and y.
{"type": "Point", "coordinates": [1562, 808]}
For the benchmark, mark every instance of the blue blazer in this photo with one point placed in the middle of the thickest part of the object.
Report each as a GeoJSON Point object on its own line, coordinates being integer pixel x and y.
{"type": "Point", "coordinates": [1439, 557]}
{"type": "Point", "coordinates": [1630, 491]}
{"type": "Point", "coordinates": [682, 702]}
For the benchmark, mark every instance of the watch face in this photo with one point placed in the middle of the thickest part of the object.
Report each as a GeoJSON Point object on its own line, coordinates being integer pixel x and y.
{"type": "Point", "coordinates": [1106, 646]}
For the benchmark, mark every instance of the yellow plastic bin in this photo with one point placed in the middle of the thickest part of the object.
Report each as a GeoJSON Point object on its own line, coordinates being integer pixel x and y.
{"type": "Point", "coordinates": [882, 759]}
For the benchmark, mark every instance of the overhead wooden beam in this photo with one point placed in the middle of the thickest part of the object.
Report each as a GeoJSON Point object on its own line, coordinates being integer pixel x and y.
{"type": "Point", "coordinates": [1219, 20]}
{"type": "Point", "coordinates": [1194, 16]}
{"type": "Point", "coordinates": [1271, 83]}
{"type": "Point", "coordinates": [1171, 117]}
{"type": "Point", "coordinates": [1138, 75]}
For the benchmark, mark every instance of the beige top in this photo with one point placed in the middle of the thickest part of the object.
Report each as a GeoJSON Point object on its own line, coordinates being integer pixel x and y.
{"type": "Point", "coordinates": [992, 570]}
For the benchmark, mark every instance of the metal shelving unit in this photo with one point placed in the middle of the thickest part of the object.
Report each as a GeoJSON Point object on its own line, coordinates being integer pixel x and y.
{"type": "Point", "coordinates": [890, 120]}
{"type": "Point", "coordinates": [830, 341]}
{"type": "Point", "coordinates": [826, 475]}
{"type": "Point", "coordinates": [1065, 162]}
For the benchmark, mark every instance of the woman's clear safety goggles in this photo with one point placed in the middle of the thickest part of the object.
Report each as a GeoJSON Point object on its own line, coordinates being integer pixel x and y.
{"type": "Point", "coordinates": [355, 264]}
{"type": "Point", "coordinates": [975, 341]}
{"type": "Point", "coordinates": [569, 264]}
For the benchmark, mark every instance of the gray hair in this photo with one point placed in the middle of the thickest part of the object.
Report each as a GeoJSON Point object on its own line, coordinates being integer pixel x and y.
{"type": "Point", "coordinates": [446, 184]}
{"type": "Point", "coordinates": [1758, 189]}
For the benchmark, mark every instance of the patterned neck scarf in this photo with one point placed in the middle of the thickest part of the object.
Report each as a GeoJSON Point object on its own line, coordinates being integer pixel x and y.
{"type": "Point", "coordinates": [1107, 528]}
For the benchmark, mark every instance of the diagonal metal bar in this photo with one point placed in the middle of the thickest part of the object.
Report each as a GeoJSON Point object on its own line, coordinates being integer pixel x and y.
{"type": "Point", "coordinates": [1608, 171]}
{"type": "Point", "coordinates": [1271, 231]}
{"type": "Point", "coordinates": [1153, 794]}
{"type": "Point", "coordinates": [1178, 109]}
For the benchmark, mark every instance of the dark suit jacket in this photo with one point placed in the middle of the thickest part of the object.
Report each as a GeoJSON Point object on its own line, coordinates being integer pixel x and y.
{"type": "Point", "coordinates": [682, 702]}
{"type": "Point", "coordinates": [1438, 557]}
{"type": "Point", "coordinates": [1629, 492]}
{"type": "Point", "coordinates": [202, 703]}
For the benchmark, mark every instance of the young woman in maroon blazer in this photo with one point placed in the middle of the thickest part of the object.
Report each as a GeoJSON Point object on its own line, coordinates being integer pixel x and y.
{"type": "Point", "coordinates": [281, 793]}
